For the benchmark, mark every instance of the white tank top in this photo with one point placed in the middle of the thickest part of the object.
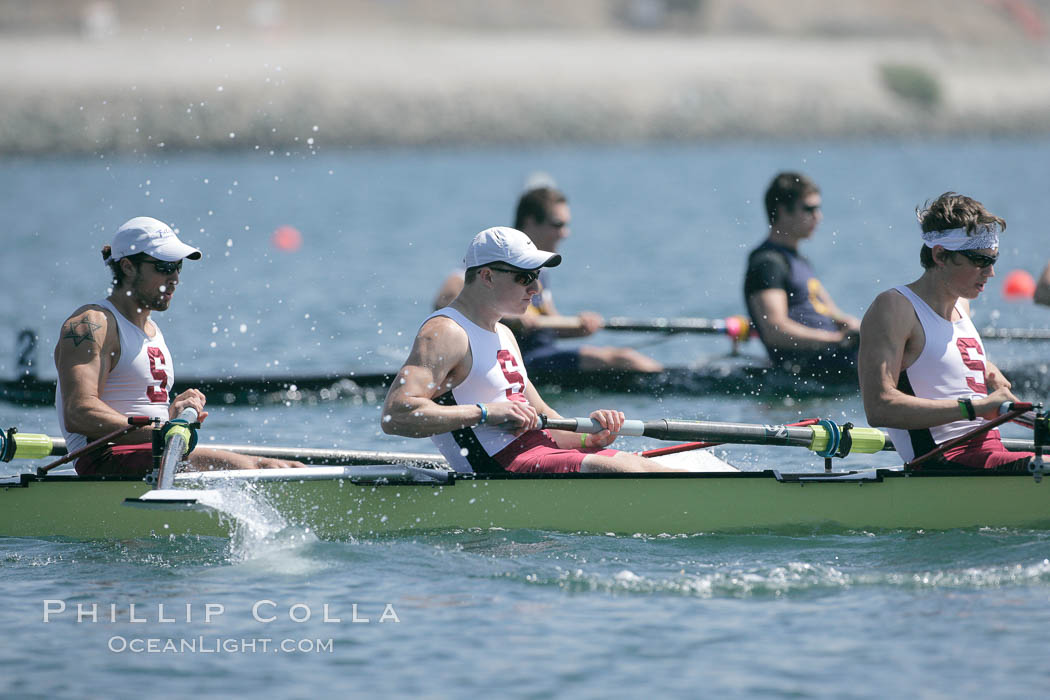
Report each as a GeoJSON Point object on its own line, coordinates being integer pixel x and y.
{"type": "Point", "coordinates": [497, 374]}
{"type": "Point", "coordinates": [139, 384]}
{"type": "Point", "coordinates": [950, 366]}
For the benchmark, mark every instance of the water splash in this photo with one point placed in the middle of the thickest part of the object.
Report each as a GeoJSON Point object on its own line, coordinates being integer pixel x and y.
{"type": "Point", "coordinates": [258, 531]}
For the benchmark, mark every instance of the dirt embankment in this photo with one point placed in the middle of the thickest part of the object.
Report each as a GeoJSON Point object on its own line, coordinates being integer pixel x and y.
{"type": "Point", "coordinates": [146, 84]}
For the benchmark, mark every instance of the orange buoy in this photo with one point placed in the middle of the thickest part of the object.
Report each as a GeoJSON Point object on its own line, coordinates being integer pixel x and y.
{"type": "Point", "coordinates": [287, 238]}
{"type": "Point", "coordinates": [1018, 285]}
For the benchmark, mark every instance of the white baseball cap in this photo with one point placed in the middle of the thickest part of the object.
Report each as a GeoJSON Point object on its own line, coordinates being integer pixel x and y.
{"type": "Point", "coordinates": [508, 245]}
{"type": "Point", "coordinates": [144, 234]}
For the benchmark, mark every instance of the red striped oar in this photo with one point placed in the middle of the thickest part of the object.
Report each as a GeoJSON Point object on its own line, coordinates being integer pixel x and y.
{"type": "Point", "coordinates": [736, 327]}
{"type": "Point", "coordinates": [134, 422]}
{"type": "Point", "coordinates": [687, 446]}
{"type": "Point", "coordinates": [1007, 412]}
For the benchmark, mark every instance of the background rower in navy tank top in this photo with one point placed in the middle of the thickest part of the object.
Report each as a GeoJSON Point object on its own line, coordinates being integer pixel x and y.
{"type": "Point", "coordinates": [773, 266]}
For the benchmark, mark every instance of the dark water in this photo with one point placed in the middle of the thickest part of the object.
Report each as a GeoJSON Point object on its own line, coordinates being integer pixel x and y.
{"type": "Point", "coordinates": [657, 231]}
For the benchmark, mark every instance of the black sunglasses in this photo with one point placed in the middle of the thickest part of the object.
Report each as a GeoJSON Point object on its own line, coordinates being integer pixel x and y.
{"type": "Point", "coordinates": [522, 277]}
{"type": "Point", "coordinates": [979, 260]}
{"type": "Point", "coordinates": [164, 267]}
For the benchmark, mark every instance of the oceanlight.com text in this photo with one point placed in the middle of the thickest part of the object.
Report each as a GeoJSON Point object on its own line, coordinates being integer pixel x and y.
{"type": "Point", "coordinates": [218, 645]}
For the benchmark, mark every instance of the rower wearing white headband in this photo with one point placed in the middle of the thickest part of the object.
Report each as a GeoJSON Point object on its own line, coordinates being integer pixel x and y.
{"type": "Point", "coordinates": [924, 373]}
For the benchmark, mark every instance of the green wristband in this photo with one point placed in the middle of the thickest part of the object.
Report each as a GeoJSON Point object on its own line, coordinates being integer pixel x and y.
{"type": "Point", "coordinates": [583, 441]}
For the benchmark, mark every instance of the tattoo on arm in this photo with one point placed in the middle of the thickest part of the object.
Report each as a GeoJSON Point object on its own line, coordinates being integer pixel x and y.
{"type": "Point", "coordinates": [80, 331]}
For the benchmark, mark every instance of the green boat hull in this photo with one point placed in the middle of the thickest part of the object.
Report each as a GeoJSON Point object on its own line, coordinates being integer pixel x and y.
{"type": "Point", "coordinates": [652, 504]}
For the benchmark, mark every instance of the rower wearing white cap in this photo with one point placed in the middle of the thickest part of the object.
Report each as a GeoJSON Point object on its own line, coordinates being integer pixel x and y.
{"type": "Point", "coordinates": [924, 373]}
{"type": "Point", "coordinates": [113, 362]}
{"type": "Point", "coordinates": [465, 386]}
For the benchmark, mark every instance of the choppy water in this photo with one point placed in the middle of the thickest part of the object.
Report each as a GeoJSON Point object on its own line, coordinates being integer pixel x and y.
{"type": "Point", "coordinates": [523, 613]}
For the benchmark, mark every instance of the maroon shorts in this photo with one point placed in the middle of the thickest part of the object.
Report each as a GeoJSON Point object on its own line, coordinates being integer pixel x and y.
{"type": "Point", "coordinates": [986, 452]}
{"type": "Point", "coordinates": [117, 460]}
{"type": "Point", "coordinates": [535, 452]}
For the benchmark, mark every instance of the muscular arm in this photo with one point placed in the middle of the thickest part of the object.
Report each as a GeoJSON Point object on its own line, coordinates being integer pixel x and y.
{"type": "Point", "coordinates": [1042, 289]}
{"type": "Point", "coordinates": [769, 307]}
{"type": "Point", "coordinates": [440, 347]}
{"type": "Point", "coordinates": [87, 348]}
{"type": "Point", "coordinates": [885, 333]}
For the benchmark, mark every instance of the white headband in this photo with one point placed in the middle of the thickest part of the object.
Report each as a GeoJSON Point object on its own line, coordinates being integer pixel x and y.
{"type": "Point", "coordinates": [957, 239]}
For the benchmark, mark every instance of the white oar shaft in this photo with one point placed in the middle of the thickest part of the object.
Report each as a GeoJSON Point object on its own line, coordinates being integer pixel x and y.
{"type": "Point", "coordinates": [176, 447]}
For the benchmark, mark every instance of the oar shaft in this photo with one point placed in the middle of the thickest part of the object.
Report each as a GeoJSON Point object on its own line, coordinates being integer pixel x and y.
{"type": "Point", "coordinates": [310, 455]}
{"type": "Point", "coordinates": [666, 325]}
{"type": "Point", "coordinates": [664, 429]}
{"type": "Point", "coordinates": [734, 326]}
{"type": "Point", "coordinates": [177, 445]}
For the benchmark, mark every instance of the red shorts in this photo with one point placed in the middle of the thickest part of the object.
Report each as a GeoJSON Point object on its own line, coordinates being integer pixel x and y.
{"type": "Point", "coordinates": [986, 452]}
{"type": "Point", "coordinates": [117, 460]}
{"type": "Point", "coordinates": [535, 452]}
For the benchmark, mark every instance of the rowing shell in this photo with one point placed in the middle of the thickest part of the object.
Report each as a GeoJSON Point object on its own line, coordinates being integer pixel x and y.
{"type": "Point", "coordinates": [339, 503]}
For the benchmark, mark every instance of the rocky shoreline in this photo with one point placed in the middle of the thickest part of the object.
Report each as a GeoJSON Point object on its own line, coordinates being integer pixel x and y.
{"type": "Point", "coordinates": [428, 88]}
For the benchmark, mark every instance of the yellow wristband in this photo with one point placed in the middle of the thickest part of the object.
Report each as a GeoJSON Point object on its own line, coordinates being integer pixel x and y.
{"type": "Point", "coordinates": [583, 441]}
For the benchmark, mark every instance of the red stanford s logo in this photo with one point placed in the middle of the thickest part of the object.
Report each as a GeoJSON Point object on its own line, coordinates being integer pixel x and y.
{"type": "Point", "coordinates": [157, 363]}
{"type": "Point", "coordinates": [509, 365]}
{"type": "Point", "coordinates": [972, 353]}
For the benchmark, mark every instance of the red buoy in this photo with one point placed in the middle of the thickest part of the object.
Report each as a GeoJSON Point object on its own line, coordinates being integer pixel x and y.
{"type": "Point", "coordinates": [1018, 285]}
{"type": "Point", "coordinates": [288, 239]}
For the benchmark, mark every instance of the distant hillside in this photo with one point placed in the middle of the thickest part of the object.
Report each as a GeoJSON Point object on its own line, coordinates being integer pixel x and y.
{"type": "Point", "coordinates": [959, 20]}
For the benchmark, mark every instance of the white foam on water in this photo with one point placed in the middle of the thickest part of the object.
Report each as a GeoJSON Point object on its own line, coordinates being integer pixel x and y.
{"type": "Point", "coordinates": [258, 531]}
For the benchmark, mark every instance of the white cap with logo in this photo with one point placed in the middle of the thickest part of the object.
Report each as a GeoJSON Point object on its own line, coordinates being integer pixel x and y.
{"type": "Point", "coordinates": [144, 234]}
{"type": "Point", "coordinates": [510, 246]}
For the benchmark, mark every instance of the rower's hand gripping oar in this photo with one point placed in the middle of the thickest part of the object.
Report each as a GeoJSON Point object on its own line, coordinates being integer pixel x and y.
{"type": "Point", "coordinates": [826, 438]}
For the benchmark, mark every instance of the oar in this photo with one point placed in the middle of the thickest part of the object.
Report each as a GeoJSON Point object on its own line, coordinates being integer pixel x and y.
{"type": "Point", "coordinates": [736, 327]}
{"type": "Point", "coordinates": [134, 422]}
{"type": "Point", "coordinates": [313, 455]}
{"type": "Point", "coordinates": [739, 327]}
{"type": "Point", "coordinates": [39, 446]}
{"type": "Point", "coordinates": [824, 438]}
{"type": "Point", "coordinates": [1008, 411]}
{"type": "Point", "coordinates": [820, 437]}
